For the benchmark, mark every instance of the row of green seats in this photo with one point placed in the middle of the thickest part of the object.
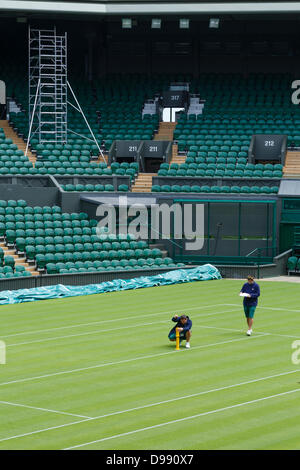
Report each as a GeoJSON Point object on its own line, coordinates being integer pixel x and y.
{"type": "Point", "coordinates": [47, 229]}
{"type": "Point", "coordinates": [124, 165]}
{"type": "Point", "coordinates": [8, 145]}
{"type": "Point", "coordinates": [229, 150]}
{"type": "Point", "coordinates": [185, 142]}
{"type": "Point", "coordinates": [42, 222]}
{"type": "Point", "coordinates": [16, 274]}
{"type": "Point", "coordinates": [13, 270]}
{"type": "Point", "coordinates": [241, 163]}
{"type": "Point", "coordinates": [222, 170]}
{"type": "Point", "coordinates": [71, 155]}
{"type": "Point", "coordinates": [110, 137]}
{"type": "Point", "coordinates": [44, 258]}
{"type": "Point", "coordinates": [192, 144]}
{"type": "Point", "coordinates": [86, 251]}
{"type": "Point", "coordinates": [19, 215]}
{"type": "Point", "coordinates": [236, 145]}
{"type": "Point", "coordinates": [124, 249]}
{"type": "Point", "coordinates": [206, 128]}
{"type": "Point", "coordinates": [215, 189]}
{"type": "Point", "coordinates": [91, 242]}
{"type": "Point", "coordinates": [14, 203]}
{"type": "Point", "coordinates": [93, 187]}
{"type": "Point", "coordinates": [205, 157]}
{"type": "Point", "coordinates": [198, 166]}
{"type": "Point", "coordinates": [41, 228]}
{"type": "Point", "coordinates": [205, 121]}
{"type": "Point", "coordinates": [99, 266]}
{"type": "Point", "coordinates": [11, 232]}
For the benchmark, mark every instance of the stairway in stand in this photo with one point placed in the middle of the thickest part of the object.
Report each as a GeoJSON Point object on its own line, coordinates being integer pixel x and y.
{"type": "Point", "coordinates": [175, 157]}
{"type": "Point", "coordinates": [21, 260]}
{"type": "Point", "coordinates": [100, 159]}
{"type": "Point", "coordinates": [143, 183]}
{"type": "Point", "coordinates": [291, 167]}
{"type": "Point", "coordinates": [165, 131]}
{"type": "Point", "coordinates": [11, 134]}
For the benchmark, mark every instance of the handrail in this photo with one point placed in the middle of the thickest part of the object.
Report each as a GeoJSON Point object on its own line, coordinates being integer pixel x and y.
{"type": "Point", "coordinates": [253, 251]}
{"type": "Point", "coordinates": [258, 261]}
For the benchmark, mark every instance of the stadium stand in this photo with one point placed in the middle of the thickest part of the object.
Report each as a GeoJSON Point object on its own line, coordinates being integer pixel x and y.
{"type": "Point", "coordinates": [210, 145]}
{"type": "Point", "coordinates": [45, 239]}
{"type": "Point", "coordinates": [210, 148]}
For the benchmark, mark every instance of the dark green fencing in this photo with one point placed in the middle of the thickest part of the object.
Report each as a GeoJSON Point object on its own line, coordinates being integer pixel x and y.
{"type": "Point", "coordinates": [234, 232]}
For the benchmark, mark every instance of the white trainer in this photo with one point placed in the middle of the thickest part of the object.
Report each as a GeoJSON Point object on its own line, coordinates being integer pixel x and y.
{"type": "Point", "coordinates": [249, 332]}
{"type": "Point", "coordinates": [188, 345]}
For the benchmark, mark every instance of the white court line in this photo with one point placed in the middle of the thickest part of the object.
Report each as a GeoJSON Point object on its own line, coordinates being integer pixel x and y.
{"type": "Point", "coordinates": [111, 320]}
{"type": "Point", "coordinates": [257, 332]}
{"type": "Point", "coordinates": [44, 340]}
{"type": "Point", "coordinates": [55, 338]}
{"type": "Point", "coordinates": [269, 308]}
{"type": "Point", "coordinates": [125, 361]}
{"type": "Point", "coordinates": [205, 392]}
{"type": "Point", "coordinates": [42, 409]}
{"type": "Point", "coordinates": [184, 309]}
{"type": "Point", "coordinates": [180, 420]}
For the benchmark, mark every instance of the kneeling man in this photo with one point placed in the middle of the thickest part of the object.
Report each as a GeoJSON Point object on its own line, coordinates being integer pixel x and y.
{"type": "Point", "coordinates": [184, 324]}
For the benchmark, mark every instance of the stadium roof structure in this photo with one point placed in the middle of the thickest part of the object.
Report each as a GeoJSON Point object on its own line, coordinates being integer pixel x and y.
{"type": "Point", "coordinates": [119, 7]}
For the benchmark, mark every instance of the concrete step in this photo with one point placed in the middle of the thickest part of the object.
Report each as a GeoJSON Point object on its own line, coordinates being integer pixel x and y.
{"type": "Point", "coordinates": [11, 134]}
{"type": "Point", "coordinates": [20, 260]}
{"type": "Point", "coordinates": [174, 150]}
{"type": "Point", "coordinates": [144, 179]}
{"type": "Point", "coordinates": [165, 131]}
{"type": "Point", "coordinates": [294, 174]}
{"type": "Point", "coordinates": [146, 175]}
{"type": "Point", "coordinates": [167, 125]}
{"type": "Point", "coordinates": [143, 183]}
{"type": "Point", "coordinates": [291, 168]}
{"type": "Point", "coordinates": [141, 190]}
{"type": "Point", "coordinates": [163, 137]}
{"type": "Point", "coordinates": [100, 159]}
{"type": "Point", "coordinates": [178, 159]}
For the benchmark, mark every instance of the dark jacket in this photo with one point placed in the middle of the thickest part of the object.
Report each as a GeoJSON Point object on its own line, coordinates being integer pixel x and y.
{"type": "Point", "coordinates": [186, 327]}
{"type": "Point", "coordinates": [253, 290]}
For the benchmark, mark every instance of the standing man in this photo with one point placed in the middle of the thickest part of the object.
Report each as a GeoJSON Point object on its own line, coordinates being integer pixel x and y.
{"type": "Point", "coordinates": [184, 324]}
{"type": "Point", "coordinates": [250, 291]}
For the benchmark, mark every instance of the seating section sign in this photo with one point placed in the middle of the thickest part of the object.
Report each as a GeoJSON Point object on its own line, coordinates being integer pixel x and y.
{"type": "Point", "coordinates": [127, 148]}
{"type": "Point", "coordinates": [268, 147]}
{"type": "Point", "coordinates": [153, 149]}
{"type": "Point", "coordinates": [174, 99]}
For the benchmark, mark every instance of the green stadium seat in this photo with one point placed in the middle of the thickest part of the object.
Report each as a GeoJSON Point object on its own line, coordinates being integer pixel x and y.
{"type": "Point", "coordinates": [292, 263]}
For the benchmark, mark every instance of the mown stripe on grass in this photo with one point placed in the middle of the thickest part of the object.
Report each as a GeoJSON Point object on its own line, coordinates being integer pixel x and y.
{"type": "Point", "coordinates": [205, 392]}
{"type": "Point", "coordinates": [199, 415]}
{"type": "Point", "coordinates": [125, 361]}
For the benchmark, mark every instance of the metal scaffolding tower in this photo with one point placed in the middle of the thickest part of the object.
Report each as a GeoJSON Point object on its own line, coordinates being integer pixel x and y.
{"type": "Point", "coordinates": [48, 89]}
{"type": "Point", "coordinates": [48, 85]}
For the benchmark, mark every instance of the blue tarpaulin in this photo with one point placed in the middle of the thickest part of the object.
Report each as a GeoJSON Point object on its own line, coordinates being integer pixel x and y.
{"type": "Point", "coordinates": [200, 273]}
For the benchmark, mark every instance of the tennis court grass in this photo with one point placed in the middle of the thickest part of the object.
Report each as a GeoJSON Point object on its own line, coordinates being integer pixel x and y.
{"type": "Point", "coordinates": [98, 372]}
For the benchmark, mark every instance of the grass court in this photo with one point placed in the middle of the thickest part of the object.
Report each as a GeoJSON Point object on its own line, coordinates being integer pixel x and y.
{"type": "Point", "coordinates": [98, 372]}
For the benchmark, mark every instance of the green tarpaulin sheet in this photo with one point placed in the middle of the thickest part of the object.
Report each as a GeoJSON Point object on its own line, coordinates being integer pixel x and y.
{"type": "Point", "coordinates": [200, 273]}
